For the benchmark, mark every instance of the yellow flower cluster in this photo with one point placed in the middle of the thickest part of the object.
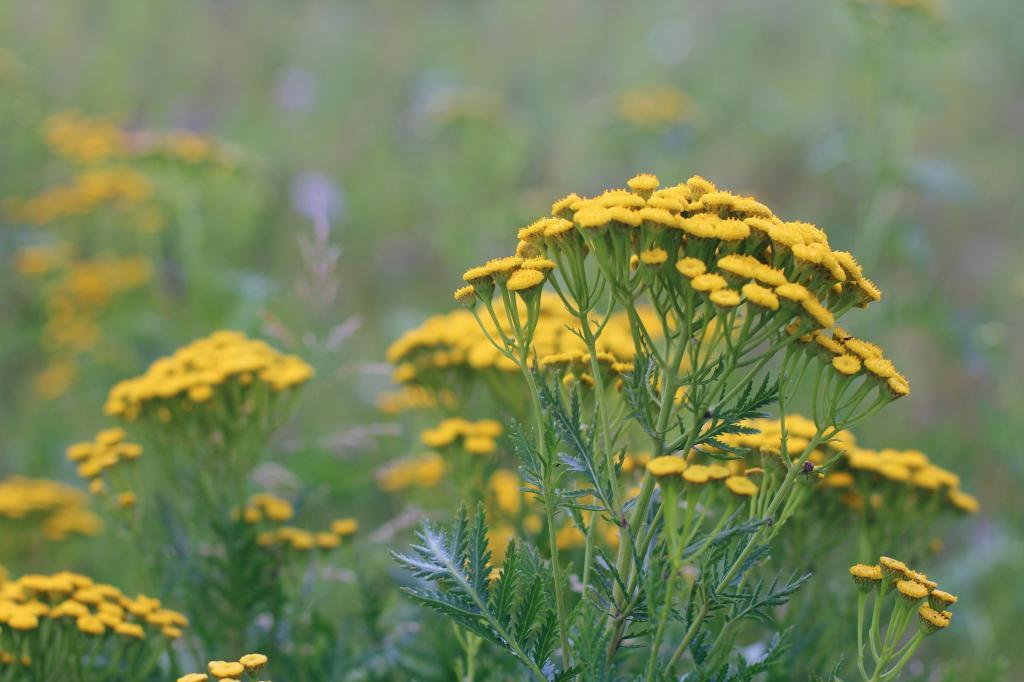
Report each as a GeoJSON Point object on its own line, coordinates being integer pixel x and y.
{"type": "Point", "coordinates": [40, 259]}
{"type": "Point", "coordinates": [903, 468]}
{"type": "Point", "coordinates": [225, 362]}
{"type": "Point", "coordinates": [74, 300]}
{"type": "Point", "coordinates": [858, 470]}
{"type": "Point", "coordinates": [61, 510]}
{"type": "Point", "coordinates": [303, 540]}
{"type": "Point", "coordinates": [116, 186]}
{"type": "Point", "coordinates": [767, 438]}
{"type": "Point", "coordinates": [229, 671]}
{"type": "Point", "coordinates": [88, 141]}
{"type": "Point", "coordinates": [717, 242]}
{"type": "Point", "coordinates": [913, 589]}
{"type": "Point", "coordinates": [668, 469]}
{"type": "Point", "coordinates": [264, 506]}
{"type": "Point", "coordinates": [81, 292]}
{"type": "Point", "coordinates": [264, 509]}
{"type": "Point", "coordinates": [455, 341]}
{"type": "Point", "coordinates": [476, 438]}
{"type": "Point", "coordinates": [654, 107]}
{"type": "Point", "coordinates": [850, 357]}
{"type": "Point", "coordinates": [83, 140]}
{"type": "Point", "coordinates": [414, 398]}
{"type": "Point", "coordinates": [74, 601]}
{"type": "Point", "coordinates": [98, 462]}
{"type": "Point", "coordinates": [422, 471]}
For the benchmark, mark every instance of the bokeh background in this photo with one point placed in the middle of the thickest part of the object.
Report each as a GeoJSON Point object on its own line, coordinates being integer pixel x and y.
{"type": "Point", "coordinates": [377, 149]}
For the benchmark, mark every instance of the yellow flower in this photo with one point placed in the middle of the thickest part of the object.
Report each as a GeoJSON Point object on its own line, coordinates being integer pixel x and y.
{"type": "Point", "coordinates": [697, 474]}
{"type": "Point", "coordinates": [133, 630]}
{"type": "Point", "coordinates": [477, 275]}
{"type": "Point", "coordinates": [465, 294]}
{"type": "Point", "coordinates": [898, 386]}
{"type": "Point", "coordinates": [222, 669]}
{"type": "Point", "coordinates": [846, 364]}
{"type": "Point", "coordinates": [90, 625]}
{"type": "Point", "coordinates": [592, 217]}
{"type": "Point", "coordinates": [170, 632]}
{"type": "Point", "coordinates": [643, 183]}
{"type": "Point", "coordinates": [522, 280]}
{"type": "Point", "coordinates": [725, 298]}
{"type": "Point", "coordinates": [327, 540]}
{"type": "Point", "coordinates": [892, 569]}
{"type": "Point", "coordinates": [964, 502]}
{"type": "Point", "coordinates": [480, 445]}
{"type": "Point", "coordinates": [708, 282]}
{"type": "Point", "coordinates": [539, 263]}
{"type": "Point", "coordinates": [653, 256]}
{"type": "Point", "coordinates": [253, 662]}
{"type": "Point", "coordinates": [344, 527]}
{"type": "Point", "coordinates": [941, 600]}
{"type": "Point", "coordinates": [717, 472]}
{"type": "Point", "coordinates": [866, 576]}
{"type": "Point", "coordinates": [911, 591]}
{"type": "Point", "coordinates": [792, 292]}
{"type": "Point", "coordinates": [760, 296]}
{"type": "Point", "coordinates": [194, 677]}
{"type": "Point", "coordinates": [741, 486]}
{"type": "Point", "coordinates": [741, 266]}
{"type": "Point", "coordinates": [22, 619]}
{"type": "Point", "coordinates": [666, 465]}
{"type": "Point", "coordinates": [932, 620]}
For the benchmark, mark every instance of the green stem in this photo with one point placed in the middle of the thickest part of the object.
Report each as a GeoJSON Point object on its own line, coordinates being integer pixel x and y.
{"type": "Point", "coordinates": [688, 637]}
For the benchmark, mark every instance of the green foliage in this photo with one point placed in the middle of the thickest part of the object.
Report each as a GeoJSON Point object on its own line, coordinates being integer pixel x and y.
{"type": "Point", "coordinates": [514, 614]}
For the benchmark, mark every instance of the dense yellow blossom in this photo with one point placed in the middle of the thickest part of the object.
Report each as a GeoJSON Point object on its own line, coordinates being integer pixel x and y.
{"type": "Point", "coordinates": [224, 361]}
{"type": "Point", "coordinates": [454, 342]}
{"type": "Point", "coordinates": [69, 601]}
{"type": "Point", "coordinates": [60, 510]}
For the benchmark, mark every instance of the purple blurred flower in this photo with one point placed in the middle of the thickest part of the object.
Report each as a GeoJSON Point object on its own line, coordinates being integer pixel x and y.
{"type": "Point", "coordinates": [315, 196]}
{"type": "Point", "coordinates": [295, 90]}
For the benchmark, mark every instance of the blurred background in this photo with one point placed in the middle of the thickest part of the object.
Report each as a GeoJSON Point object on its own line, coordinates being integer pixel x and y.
{"type": "Point", "coordinates": [321, 173]}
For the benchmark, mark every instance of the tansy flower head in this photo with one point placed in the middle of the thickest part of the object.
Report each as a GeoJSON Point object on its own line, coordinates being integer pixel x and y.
{"type": "Point", "coordinates": [222, 669]}
{"type": "Point", "coordinates": [563, 204]}
{"type": "Point", "coordinates": [253, 662]}
{"type": "Point", "coordinates": [846, 364]}
{"type": "Point", "coordinates": [911, 591]}
{"type": "Point", "coordinates": [932, 620]}
{"type": "Point", "coordinates": [643, 183]}
{"type": "Point", "coordinates": [697, 474]}
{"type": "Point", "coordinates": [892, 569]}
{"type": "Point", "coordinates": [538, 263]}
{"type": "Point", "coordinates": [465, 295]}
{"type": "Point", "coordinates": [665, 466]}
{"type": "Point", "coordinates": [708, 282]}
{"type": "Point", "coordinates": [344, 527]}
{"type": "Point", "coordinates": [691, 267]}
{"type": "Point", "coordinates": [725, 298]}
{"type": "Point", "coordinates": [941, 600]}
{"type": "Point", "coordinates": [477, 275]}
{"type": "Point", "coordinates": [523, 280]}
{"type": "Point", "coordinates": [760, 296]}
{"type": "Point", "coordinates": [866, 576]}
{"type": "Point", "coordinates": [502, 268]}
{"type": "Point", "coordinates": [653, 256]}
{"type": "Point", "coordinates": [741, 486]}
{"type": "Point", "coordinates": [592, 217]}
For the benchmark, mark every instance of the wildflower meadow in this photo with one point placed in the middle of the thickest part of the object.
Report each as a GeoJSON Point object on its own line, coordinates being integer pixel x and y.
{"type": "Point", "coordinates": [470, 342]}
